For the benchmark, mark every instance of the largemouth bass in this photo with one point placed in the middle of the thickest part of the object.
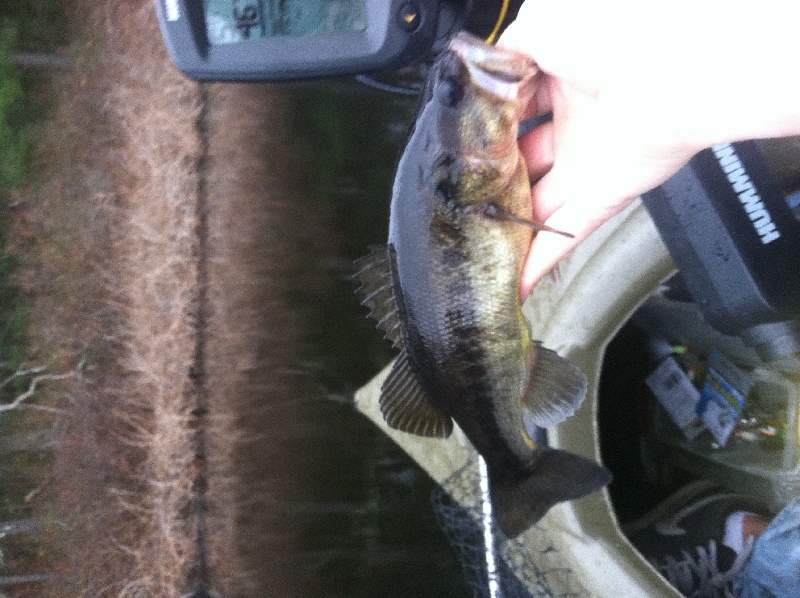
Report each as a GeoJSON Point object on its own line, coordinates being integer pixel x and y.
{"type": "Point", "coordinates": [446, 288]}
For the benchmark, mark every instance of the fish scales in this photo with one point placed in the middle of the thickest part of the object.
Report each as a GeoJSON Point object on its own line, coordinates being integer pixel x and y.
{"type": "Point", "coordinates": [480, 349]}
{"type": "Point", "coordinates": [460, 226]}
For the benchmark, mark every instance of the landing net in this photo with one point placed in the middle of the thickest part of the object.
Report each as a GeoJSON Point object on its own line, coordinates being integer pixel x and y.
{"type": "Point", "coordinates": [529, 566]}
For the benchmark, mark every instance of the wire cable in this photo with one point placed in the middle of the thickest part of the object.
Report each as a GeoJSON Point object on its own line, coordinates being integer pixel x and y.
{"type": "Point", "coordinates": [501, 17]}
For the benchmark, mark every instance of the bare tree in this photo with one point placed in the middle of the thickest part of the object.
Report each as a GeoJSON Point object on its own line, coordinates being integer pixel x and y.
{"type": "Point", "coordinates": [20, 399]}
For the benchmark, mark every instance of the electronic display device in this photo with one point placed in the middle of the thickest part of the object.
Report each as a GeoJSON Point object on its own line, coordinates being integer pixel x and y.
{"type": "Point", "coordinates": [276, 40]}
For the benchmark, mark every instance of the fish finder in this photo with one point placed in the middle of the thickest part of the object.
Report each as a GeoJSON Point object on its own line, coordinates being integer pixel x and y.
{"type": "Point", "coordinates": [731, 220]}
{"type": "Point", "coordinates": [277, 40]}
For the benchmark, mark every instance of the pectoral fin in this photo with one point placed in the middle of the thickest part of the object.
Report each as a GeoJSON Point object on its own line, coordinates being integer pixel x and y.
{"type": "Point", "coordinates": [555, 387]}
{"type": "Point", "coordinates": [376, 292]}
{"type": "Point", "coordinates": [406, 407]}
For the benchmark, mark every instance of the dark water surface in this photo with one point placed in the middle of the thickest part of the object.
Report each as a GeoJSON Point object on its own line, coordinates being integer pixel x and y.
{"type": "Point", "coordinates": [318, 501]}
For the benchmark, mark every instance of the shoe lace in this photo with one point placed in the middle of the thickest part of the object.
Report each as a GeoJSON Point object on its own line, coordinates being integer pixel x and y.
{"type": "Point", "coordinates": [698, 576]}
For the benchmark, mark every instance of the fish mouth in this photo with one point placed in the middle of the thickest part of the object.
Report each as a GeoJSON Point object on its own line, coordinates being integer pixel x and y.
{"type": "Point", "coordinates": [504, 74]}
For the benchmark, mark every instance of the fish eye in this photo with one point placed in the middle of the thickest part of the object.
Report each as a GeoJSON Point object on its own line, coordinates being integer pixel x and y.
{"type": "Point", "coordinates": [452, 78]}
{"type": "Point", "coordinates": [449, 92]}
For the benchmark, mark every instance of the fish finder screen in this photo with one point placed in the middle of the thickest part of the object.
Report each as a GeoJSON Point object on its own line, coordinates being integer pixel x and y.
{"type": "Point", "coordinates": [234, 21]}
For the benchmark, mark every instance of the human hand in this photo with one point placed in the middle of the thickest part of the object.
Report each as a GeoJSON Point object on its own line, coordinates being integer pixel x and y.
{"type": "Point", "coordinates": [636, 89]}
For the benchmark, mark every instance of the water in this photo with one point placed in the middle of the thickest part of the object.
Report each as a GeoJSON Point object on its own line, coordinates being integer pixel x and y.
{"type": "Point", "coordinates": [318, 501]}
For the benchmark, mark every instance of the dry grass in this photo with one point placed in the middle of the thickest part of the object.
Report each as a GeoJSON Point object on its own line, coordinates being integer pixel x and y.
{"type": "Point", "coordinates": [148, 195]}
{"type": "Point", "coordinates": [108, 232]}
{"type": "Point", "coordinates": [155, 248]}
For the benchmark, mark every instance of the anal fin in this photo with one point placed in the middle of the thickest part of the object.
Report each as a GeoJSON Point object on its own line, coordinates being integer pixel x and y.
{"type": "Point", "coordinates": [555, 387]}
{"type": "Point", "coordinates": [406, 407]}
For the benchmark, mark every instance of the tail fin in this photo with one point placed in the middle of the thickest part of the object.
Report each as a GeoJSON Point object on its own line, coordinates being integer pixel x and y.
{"type": "Point", "coordinates": [520, 501]}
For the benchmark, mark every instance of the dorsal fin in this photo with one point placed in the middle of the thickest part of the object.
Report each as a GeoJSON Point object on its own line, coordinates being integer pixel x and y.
{"type": "Point", "coordinates": [406, 407]}
{"type": "Point", "coordinates": [555, 387]}
{"type": "Point", "coordinates": [376, 293]}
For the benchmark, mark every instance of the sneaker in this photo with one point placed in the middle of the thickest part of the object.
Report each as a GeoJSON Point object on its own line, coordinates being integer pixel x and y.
{"type": "Point", "coordinates": [682, 540]}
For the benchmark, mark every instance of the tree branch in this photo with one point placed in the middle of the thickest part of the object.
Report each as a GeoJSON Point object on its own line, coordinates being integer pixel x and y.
{"type": "Point", "coordinates": [35, 381]}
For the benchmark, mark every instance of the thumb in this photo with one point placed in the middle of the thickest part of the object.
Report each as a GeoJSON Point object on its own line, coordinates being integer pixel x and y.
{"type": "Point", "coordinates": [606, 154]}
{"type": "Point", "coordinates": [579, 217]}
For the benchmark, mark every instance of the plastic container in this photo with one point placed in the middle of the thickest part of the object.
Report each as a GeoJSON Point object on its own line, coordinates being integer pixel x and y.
{"type": "Point", "coordinates": [761, 458]}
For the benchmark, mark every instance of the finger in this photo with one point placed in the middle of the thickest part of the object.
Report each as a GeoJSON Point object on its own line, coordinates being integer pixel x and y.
{"type": "Point", "coordinates": [537, 149]}
{"type": "Point", "coordinates": [539, 31]}
{"type": "Point", "coordinates": [548, 249]}
{"type": "Point", "coordinates": [540, 104]}
{"type": "Point", "coordinates": [575, 204]}
{"type": "Point", "coordinates": [544, 253]}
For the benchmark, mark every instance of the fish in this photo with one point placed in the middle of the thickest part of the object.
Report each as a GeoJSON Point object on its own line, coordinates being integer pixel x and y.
{"type": "Point", "coordinates": [445, 288]}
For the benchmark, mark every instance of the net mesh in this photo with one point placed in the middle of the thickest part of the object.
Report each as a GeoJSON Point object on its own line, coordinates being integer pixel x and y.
{"type": "Point", "coordinates": [529, 566]}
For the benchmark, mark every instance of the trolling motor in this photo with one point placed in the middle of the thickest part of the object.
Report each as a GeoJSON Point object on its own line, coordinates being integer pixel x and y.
{"type": "Point", "coordinates": [731, 221]}
{"type": "Point", "coordinates": [280, 40]}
